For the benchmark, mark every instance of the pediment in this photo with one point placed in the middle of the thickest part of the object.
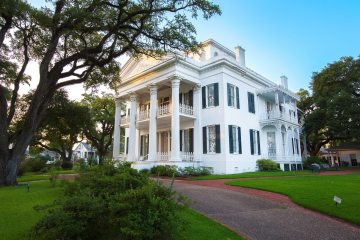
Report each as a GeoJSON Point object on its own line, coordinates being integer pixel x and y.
{"type": "Point", "coordinates": [135, 66]}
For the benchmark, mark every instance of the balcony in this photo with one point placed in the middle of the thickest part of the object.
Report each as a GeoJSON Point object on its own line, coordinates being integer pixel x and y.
{"type": "Point", "coordinates": [273, 116]}
{"type": "Point", "coordinates": [285, 159]}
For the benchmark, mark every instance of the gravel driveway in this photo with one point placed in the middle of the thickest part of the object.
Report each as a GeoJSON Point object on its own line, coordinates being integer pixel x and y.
{"type": "Point", "coordinates": [258, 218]}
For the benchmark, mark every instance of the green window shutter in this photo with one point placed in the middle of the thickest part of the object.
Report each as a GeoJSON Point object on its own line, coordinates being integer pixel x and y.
{"type": "Point", "coordinates": [181, 142]}
{"type": "Point", "coordinates": [216, 93]}
{"type": "Point", "coordinates": [252, 142]}
{"type": "Point", "coordinates": [127, 145]}
{"type": "Point", "coordinates": [141, 145]}
{"type": "Point", "coordinates": [239, 139]}
{"type": "Point", "coordinates": [228, 94]}
{"type": "Point", "coordinates": [251, 102]}
{"type": "Point", "coordinates": [203, 90]}
{"type": "Point", "coordinates": [191, 98]}
{"type": "Point", "coordinates": [204, 140]}
{"type": "Point", "coordinates": [147, 146]}
{"type": "Point", "coordinates": [191, 140]}
{"type": "Point", "coordinates": [258, 142]}
{"type": "Point", "coordinates": [231, 138]}
{"type": "Point", "coordinates": [237, 98]}
{"type": "Point", "coordinates": [217, 132]}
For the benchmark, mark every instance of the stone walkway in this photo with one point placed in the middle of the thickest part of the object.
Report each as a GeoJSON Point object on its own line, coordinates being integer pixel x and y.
{"type": "Point", "coordinates": [257, 214]}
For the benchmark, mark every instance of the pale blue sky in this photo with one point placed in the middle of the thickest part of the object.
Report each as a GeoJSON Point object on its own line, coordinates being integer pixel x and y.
{"type": "Point", "coordinates": [290, 37]}
{"type": "Point", "coordinates": [294, 38]}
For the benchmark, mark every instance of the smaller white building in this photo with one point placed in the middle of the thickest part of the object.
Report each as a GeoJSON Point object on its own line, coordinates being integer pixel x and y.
{"type": "Point", "coordinates": [346, 154]}
{"type": "Point", "coordinates": [85, 151]}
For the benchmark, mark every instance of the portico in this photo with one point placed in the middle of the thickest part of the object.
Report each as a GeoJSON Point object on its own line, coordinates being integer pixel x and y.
{"type": "Point", "coordinates": [161, 120]}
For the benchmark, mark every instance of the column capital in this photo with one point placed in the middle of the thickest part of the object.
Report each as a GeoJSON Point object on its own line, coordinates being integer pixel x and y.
{"type": "Point", "coordinates": [117, 102]}
{"type": "Point", "coordinates": [197, 87]}
{"type": "Point", "coordinates": [153, 89]}
{"type": "Point", "coordinates": [133, 97]}
{"type": "Point", "coordinates": [175, 82]}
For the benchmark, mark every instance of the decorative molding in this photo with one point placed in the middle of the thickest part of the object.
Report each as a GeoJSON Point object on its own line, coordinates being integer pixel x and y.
{"type": "Point", "coordinates": [153, 89]}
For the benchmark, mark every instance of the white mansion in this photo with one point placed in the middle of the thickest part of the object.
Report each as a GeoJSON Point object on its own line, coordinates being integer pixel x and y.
{"type": "Point", "coordinates": [205, 110]}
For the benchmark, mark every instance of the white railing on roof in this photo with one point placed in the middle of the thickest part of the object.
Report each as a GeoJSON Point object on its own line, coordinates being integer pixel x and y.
{"type": "Point", "coordinates": [186, 109]}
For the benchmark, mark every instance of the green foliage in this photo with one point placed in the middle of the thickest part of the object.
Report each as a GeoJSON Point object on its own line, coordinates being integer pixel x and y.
{"type": "Point", "coordinates": [316, 192]}
{"type": "Point", "coordinates": [125, 203]}
{"type": "Point", "coordinates": [314, 159]}
{"type": "Point", "coordinates": [267, 165]}
{"type": "Point", "coordinates": [101, 123]}
{"type": "Point", "coordinates": [164, 170]}
{"type": "Point", "coordinates": [67, 165]}
{"type": "Point", "coordinates": [35, 164]}
{"type": "Point", "coordinates": [194, 171]}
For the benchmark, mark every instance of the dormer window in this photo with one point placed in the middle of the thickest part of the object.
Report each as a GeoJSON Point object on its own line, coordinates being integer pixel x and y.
{"type": "Point", "coordinates": [216, 54]}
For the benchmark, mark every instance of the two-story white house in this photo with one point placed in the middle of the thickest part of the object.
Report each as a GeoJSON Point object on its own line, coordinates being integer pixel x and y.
{"type": "Point", "coordinates": [205, 109]}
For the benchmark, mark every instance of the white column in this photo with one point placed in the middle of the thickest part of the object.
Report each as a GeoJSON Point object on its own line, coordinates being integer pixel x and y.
{"type": "Point", "coordinates": [152, 123]}
{"type": "Point", "coordinates": [132, 133]}
{"type": "Point", "coordinates": [116, 146]}
{"type": "Point", "coordinates": [197, 123]}
{"type": "Point", "coordinates": [175, 121]}
{"type": "Point", "coordinates": [277, 104]}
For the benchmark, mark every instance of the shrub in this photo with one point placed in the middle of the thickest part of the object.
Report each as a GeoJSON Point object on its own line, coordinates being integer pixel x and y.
{"type": "Point", "coordinates": [194, 171]}
{"type": "Point", "coordinates": [313, 159]}
{"type": "Point", "coordinates": [145, 171]}
{"type": "Point", "coordinates": [66, 165]}
{"type": "Point", "coordinates": [267, 165]}
{"type": "Point", "coordinates": [117, 204]}
{"type": "Point", "coordinates": [35, 164]}
{"type": "Point", "coordinates": [164, 170]}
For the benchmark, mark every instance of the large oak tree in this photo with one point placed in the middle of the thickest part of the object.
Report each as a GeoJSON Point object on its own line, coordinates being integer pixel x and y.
{"type": "Point", "coordinates": [73, 40]}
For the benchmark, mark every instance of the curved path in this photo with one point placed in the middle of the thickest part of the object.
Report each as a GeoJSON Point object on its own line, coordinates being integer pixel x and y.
{"type": "Point", "coordinates": [257, 214]}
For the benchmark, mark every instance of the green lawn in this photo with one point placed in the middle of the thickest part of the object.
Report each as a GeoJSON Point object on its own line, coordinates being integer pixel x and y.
{"type": "Point", "coordinates": [316, 192]}
{"type": "Point", "coordinates": [18, 216]}
{"type": "Point", "coordinates": [255, 175]}
{"type": "Point", "coordinates": [31, 176]}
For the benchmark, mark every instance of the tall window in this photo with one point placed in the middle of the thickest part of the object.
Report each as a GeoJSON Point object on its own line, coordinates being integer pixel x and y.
{"type": "Point", "coordinates": [251, 102]}
{"type": "Point", "coordinates": [211, 139]}
{"type": "Point", "coordinates": [255, 142]}
{"type": "Point", "coordinates": [233, 96]}
{"type": "Point", "coordinates": [235, 139]}
{"type": "Point", "coordinates": [144, 145]}
{"type": "Point", "coordinates": [210, 95]}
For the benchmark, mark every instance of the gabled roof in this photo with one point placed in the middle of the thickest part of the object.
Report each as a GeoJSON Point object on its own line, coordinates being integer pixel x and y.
{"type": "Point", "coordinates": [87, 147]}
{"type": "Point", "coordinates": [347, 146]}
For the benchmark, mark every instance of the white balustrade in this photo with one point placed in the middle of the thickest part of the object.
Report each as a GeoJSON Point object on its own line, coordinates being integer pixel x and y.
{"type": "Point", "coordinates": [125, 120]}
{"type": "Point", "coordinates": [163, 156]}
{"type": "Point", "coordinates": [272, 115]}
{"type": "Point", "coordinates": [187, 156]}
{"type": "Point", "coordinates": [285, 159]}
{"type": "Point", "coordinates": [186, 109]}
{"type": "Point", "coordinates": [144, 115]}
{"type": "Point", "coordinates": [163, 109]}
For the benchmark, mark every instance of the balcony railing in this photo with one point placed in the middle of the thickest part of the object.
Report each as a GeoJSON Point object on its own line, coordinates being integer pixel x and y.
{"type": "Point", "coordinates": [186, 109]}
{"type": "Point", "coordinates": [125, 120]}
{"type": "Point", "coordinates": [163, 110]}
{"type": "Point", "coordinates": [144, 115]}
{"type": "Point", "coordinates": [273, 115]}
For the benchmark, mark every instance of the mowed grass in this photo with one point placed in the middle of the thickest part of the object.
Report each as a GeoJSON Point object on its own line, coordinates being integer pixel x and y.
{"type": "Point", "coordinates": [255, 175]}
{"type": "Point", "coordinates": [202, 228]}
{"type": "Point", "coordinates": [17, 214]}
{"type": "Point", "coordinates": [316, 192]}
{"type": "Point", "coordinates": [31, 176]}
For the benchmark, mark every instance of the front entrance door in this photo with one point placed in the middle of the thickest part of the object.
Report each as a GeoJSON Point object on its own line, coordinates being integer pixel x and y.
{"type": "Point", "coordinates": [353, 160]}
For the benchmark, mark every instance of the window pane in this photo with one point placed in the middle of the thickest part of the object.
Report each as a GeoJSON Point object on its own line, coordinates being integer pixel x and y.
{"type": "Point", "coordinates": [212, 139]}
{"type": "Point", "coordinates": [211, 95]}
